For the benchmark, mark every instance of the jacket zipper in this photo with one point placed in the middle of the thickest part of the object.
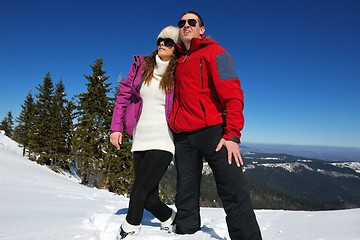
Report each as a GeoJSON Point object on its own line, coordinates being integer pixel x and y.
{"type": "Point", "coordinates": [201, 75]}
{"type": "Point", "coordinates": [202, 86]}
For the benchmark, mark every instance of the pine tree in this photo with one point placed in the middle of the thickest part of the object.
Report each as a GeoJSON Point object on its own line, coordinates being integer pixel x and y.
{"type": "Point", "coordinates": [100, 164]}
{"type": "Point", "coordinates": [25, 122]}
{"type": "Point", "coordinates": [118, 175]}
{"type": "Point", "coordinates": [42, 131]}
{"type": "Point", "coordinates": [7, 124]}
{"type": "Point", "coordinates": [91, 129]}
{"type": "Point", "coordinates": [119, 171]}
{"type": "Point", "coordinates": [61, 129]}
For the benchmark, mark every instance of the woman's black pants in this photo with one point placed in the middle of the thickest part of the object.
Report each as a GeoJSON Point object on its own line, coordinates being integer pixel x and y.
{"type": "Point", "coordinates": [149, 168]}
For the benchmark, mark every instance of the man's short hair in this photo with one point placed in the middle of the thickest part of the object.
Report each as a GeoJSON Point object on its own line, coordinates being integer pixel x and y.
{"type": "Point", "coordinates": [201, 22]}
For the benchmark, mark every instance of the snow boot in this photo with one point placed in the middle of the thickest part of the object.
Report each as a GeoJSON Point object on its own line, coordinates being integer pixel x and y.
{"type": "Point", "coordinates": [126, 229]}
{"type": "Point", "coordinates": [122, 234]}
{"type": "Point", "coordinates": [168, 225]}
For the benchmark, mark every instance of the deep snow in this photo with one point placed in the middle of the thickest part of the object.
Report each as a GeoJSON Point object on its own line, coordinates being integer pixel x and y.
{"type": "Point", "coordinates": [36, 203]}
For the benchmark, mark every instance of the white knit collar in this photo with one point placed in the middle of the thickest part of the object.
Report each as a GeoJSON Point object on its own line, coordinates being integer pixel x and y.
{"type": "Point", "coordinates": [161, 66]}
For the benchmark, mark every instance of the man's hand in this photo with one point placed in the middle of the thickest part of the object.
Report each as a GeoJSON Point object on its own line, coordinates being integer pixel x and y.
{"type": "Point", "coordinates": [232, 149]}
{"type": "Point", "coordinates": [115, 139]}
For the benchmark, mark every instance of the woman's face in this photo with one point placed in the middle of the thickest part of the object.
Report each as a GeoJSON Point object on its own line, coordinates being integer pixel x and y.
{"type": "Point", "coordinates": [165, 52]}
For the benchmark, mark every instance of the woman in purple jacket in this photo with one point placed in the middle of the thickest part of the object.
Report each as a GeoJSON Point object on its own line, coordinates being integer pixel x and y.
{"type": "Point", "coordinates": [142, 108]}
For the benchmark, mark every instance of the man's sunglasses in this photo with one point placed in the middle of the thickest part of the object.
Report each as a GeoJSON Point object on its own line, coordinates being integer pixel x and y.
{"type": "Point", "coordinates": [168, 42]}
{"type": "Point", "coordinates": [192, 22]}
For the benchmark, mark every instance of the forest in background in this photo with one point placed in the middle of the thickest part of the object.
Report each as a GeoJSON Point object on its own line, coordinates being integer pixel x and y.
{"type": "Point", "coordinates": [72, 135]}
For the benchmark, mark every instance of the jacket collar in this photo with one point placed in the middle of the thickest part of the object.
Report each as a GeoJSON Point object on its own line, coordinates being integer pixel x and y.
{"type": "Point", "coordinates": [196, 43]}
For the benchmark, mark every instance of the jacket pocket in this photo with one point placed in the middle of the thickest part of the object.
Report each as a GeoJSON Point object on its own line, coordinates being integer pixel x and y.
{"type": "Point", "coordinates": [203, 109]}
{"type": "Point", "coordinates": [131, 115]}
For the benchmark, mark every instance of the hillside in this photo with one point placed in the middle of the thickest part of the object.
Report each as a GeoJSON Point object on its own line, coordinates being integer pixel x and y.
{"type": "Point", "coordinates": [37, 203]}
{"type": "Point", "coordinates": [282, 181]}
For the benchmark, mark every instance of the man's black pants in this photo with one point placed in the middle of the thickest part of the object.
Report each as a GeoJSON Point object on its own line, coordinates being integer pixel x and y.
{"type": "Point", "coordinates": [191, 149]}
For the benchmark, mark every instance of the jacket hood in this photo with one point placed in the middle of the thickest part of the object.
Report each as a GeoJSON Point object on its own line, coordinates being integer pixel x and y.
{"type": "Point", "coordinates": [196, 43]}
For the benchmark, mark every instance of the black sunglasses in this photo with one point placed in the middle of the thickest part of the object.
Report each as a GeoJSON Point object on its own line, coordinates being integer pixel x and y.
{"type": "Point", "coordinates": [192, 22]}
{"type": "Point", "coordinates": [168, 42]}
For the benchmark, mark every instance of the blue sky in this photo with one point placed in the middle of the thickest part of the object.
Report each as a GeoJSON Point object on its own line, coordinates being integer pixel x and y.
{"type": "Point", "coordinates": [299, 61]}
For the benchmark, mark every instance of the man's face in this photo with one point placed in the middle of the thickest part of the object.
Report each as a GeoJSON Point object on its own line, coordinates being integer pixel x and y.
{"type": "Point", "coordinates": [188, 31]}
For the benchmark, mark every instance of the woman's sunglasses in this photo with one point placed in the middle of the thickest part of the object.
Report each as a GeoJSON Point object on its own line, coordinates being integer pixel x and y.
{"type": "Point", "coordinates": [192, 22]}
{"type": "Point", "coordinates": [168, 42]}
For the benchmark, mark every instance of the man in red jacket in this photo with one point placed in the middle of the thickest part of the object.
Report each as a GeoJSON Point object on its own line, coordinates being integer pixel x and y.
{"type": "Point", "coordinates": [207, 119]}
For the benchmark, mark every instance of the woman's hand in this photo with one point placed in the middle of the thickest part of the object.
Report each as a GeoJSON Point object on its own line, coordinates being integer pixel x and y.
{"type": "Point", "coordinates": [115, 139]}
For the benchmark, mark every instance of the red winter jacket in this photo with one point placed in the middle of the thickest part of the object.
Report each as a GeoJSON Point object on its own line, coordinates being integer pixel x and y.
{"type": "Point", "coordinates": [207, 90]}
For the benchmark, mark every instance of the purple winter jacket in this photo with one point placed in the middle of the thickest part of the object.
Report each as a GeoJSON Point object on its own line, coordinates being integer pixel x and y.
{"type": "Point", "coordinates": [128, 103]}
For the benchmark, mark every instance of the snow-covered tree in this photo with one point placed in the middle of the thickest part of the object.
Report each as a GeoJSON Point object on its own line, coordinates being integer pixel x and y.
{"type": "Point", "coordinates": [7, 124]}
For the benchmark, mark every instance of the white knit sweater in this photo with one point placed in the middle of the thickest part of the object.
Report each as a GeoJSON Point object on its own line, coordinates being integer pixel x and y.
{"type": "Point", "coordinates": [151, 131]}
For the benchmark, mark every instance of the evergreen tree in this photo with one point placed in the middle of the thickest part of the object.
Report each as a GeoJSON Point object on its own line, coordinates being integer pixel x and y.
{"type": "Point", "coordinates": [61, 128]}
{"type": "Point", "coordinates": [100, 164]}
{"type": "Point", "coordinates": [118, 175]}
{"type": "Point", "coordinates": [118, 171]}
{"type": "Point", "coordinates": [7, 124]}
{"type": "Point", "coordinates": [90, 140]}
{"type": "Point", "coordinates": [42, 131]}
{"type": "Point", "coordinates": [25, 122]}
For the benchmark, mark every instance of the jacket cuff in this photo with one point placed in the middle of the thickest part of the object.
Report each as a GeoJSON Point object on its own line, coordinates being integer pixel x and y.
{"type": "Point", "coordinates": [235, 139]}
{"type": "Point", "coordinates": [116, 129]}
{"type": "Point", "coordinates": [231, 138]}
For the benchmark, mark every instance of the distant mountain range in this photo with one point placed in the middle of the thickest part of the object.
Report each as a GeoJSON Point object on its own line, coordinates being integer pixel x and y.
{"type": "Point", "coordinates": [290, 182]}
{"type": "Point", "coordinates": [285, 181]}
{"type": "Point", "coordinates": [320, 152]}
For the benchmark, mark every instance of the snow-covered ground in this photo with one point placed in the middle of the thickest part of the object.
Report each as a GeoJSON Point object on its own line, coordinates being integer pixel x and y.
{"type": "Point", "coordinates": [36, 203]}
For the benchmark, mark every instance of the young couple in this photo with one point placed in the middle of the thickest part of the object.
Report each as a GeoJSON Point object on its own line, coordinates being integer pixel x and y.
{"type": "Point", "coordinates": [184, 99]}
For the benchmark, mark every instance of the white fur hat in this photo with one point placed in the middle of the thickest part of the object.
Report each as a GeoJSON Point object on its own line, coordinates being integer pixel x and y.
{"type": "Point", "coordinates": [170, 32]}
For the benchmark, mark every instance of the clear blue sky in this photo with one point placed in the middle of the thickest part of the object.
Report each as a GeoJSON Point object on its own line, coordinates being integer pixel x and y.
{"type": "Point", "coordinates": [299, 61]}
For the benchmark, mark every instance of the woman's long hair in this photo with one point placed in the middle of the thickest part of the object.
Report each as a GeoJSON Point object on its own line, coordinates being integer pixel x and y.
{"type": "Point", "coordinates": [167, 81]}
